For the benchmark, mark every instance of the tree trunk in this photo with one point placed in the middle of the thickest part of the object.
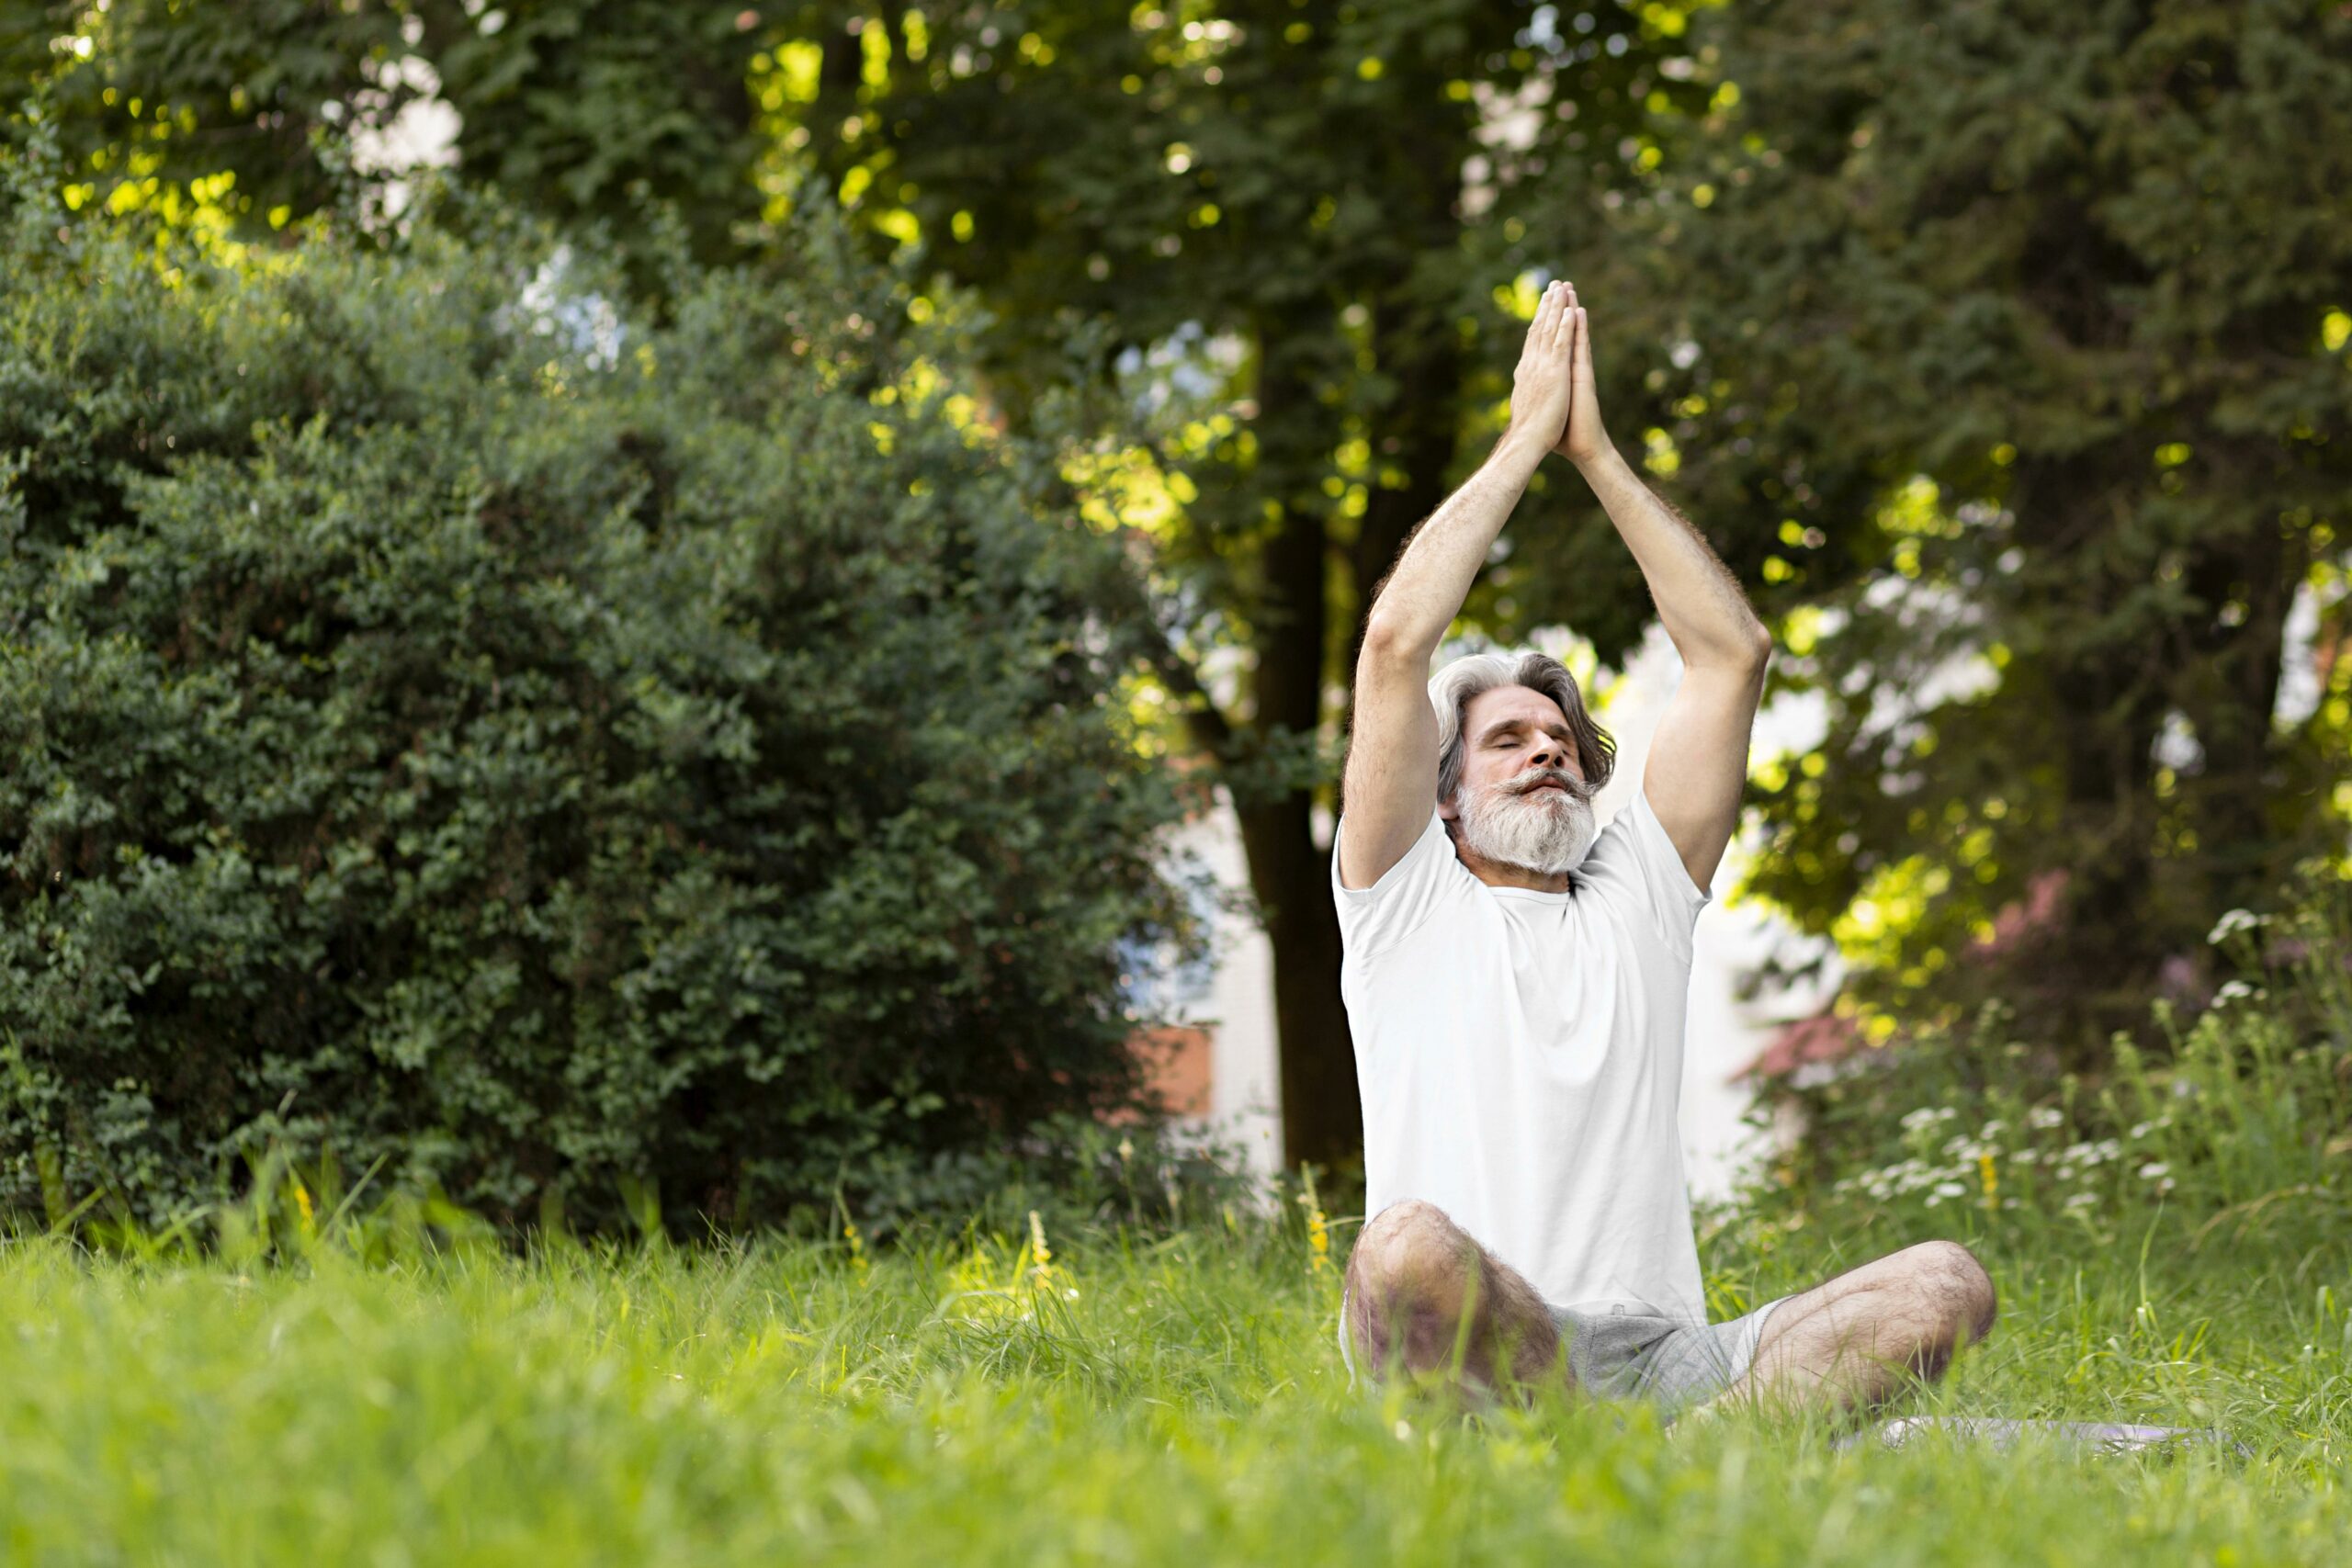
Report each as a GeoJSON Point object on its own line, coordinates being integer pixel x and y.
{"type": "Point", "coordinates": [1322, 1116]}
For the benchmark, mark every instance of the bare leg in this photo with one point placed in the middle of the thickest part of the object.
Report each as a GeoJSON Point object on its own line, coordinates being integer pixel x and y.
{"type": "Point", "coordinates": [1425, 1298]}
{"type": "Point", "coordinates": [1854, 1342]}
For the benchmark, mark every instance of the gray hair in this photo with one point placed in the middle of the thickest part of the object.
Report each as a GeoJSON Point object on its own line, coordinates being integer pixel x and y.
{"type": "Point", "coordinates": [1452, 688]}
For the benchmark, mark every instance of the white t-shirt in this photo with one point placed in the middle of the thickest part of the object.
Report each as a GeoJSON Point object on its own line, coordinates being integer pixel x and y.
{"type": "Point", "coordinates": [1520, 1058]}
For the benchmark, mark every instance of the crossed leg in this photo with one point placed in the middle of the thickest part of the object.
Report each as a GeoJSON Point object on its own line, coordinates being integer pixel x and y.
{"type": "Point", "coordinates": [1425, 1298]}
{"type": "Point", "coordinates": [1859, 1339]}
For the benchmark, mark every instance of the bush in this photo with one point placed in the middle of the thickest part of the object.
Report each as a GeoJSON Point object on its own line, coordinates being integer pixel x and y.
{"type": "Point", "coordinates": [2242, 1125]}
{"type": "Point", "coordinates": [459, 722]}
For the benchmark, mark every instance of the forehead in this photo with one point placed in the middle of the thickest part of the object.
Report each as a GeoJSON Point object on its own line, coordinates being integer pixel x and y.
{"type": "Point", "coordinates": [1512, 704]}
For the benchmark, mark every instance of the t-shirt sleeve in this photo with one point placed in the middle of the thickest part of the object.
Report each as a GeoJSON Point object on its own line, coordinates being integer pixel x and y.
{"type": "Point", "coordinates": [1635, 860]}
{"type": "Point", "coordinates": [1407, 893]}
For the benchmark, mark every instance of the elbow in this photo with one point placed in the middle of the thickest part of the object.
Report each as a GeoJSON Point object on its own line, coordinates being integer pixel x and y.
{"type": "Point", "coordinates": [1387, 642]}
{"type": "Point", "coordinates": [1749, 653]}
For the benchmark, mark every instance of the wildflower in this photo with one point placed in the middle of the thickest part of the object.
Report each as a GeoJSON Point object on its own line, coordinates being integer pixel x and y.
{"type": "Point", "coordinates": [302, 1202]}
{"type": "Point", "coordinates": [2231, 922]}
{"type": "Point", "coordinates": [1951, 1190]}
{"type": "Point", "coordinates": [2082, 1200]}
{"type": "Point", "coordinates": [2140, 1130]}
{"type": "Point", "coordinates": [1041, 1256]}
{"type": "Point", "coordinates": [1993, 1129]}
{"type": "Point", "coordinates": [2045, 1117]}
{"type": "Point", "coordinates": [1919, 1120]}
{"type": "Point", "coordinates": [1989, 1180]}
{"type": "Point", "coordinates": [2234, 990]}
{"type": "Point", "coordinates": [2152, 1170]}
{"type": "Point", "coordinates": [1318, 1231]}
{"type": "Point", "coordinates": [857, 1259]}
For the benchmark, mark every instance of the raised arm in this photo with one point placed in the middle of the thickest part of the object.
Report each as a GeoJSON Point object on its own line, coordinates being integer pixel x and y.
{"type": "Point", "coordinates": [1391, 782]}
{"type": "Point", "coordinates": [1698, 758]}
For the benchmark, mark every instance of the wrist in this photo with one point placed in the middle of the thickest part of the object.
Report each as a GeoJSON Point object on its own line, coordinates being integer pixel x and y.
{"type": "Point", "coordinates": [1521, 451]}
{"type": "Point", "coordinates": [1600, 459]}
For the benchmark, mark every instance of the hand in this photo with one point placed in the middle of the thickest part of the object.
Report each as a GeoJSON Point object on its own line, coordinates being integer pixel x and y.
{"type": "Point", "coordinates": [1582, 439]}
{"type": "Point", "coordinates": [1542, 388]}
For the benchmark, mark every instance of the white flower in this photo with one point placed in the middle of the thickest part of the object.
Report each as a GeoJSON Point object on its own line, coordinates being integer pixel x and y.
{"type": "Point", "coordinates": [1919, 1120]}
{"type": "Point", "coordinates": [2045, 1117]}
{"type": "Point", "coordinates": [1993, 1129]}
{"type": "Point", "coordinates": [2153, 1170]}
{"type": "Point", "coordinates": [2230, 991]}
{"type": "Point", "coordinates": [2082, 1200]}
{"type": "Point", "coordinates": [1951, 1190]}
{"type": "Point", "coordinates": [2231, 922]}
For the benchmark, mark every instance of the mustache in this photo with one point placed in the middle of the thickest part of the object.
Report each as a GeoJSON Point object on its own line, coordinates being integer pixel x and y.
{"type": "Point", "coordinates": [1537, 778]}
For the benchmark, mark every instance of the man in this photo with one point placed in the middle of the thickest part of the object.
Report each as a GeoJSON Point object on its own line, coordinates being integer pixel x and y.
{"type": "Point", "coordinates": [1516, 982]}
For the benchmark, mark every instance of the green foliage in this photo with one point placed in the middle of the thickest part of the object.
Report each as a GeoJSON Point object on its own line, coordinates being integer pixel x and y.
{"type": "Point", "coordinates": [1277, 237]}
{"type": "Point", "coordinates": [2234, 1136]}
{"type": "Point", "coordinates": [2010, 349]}
{"type": "Point", "coordinates": [450, 721]}
{"type": "Point", "coordinates": [583, 109]}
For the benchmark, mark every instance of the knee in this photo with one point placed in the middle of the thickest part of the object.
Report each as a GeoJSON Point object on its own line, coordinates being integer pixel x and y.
{"type": "Point", "coordinates": [1953, 1289]}
{"type": "Point", "coordinates": [1410, 1247]}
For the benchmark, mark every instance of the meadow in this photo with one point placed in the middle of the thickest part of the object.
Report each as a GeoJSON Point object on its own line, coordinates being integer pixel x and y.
{"type": "Point", "coordinates": [390, 1393]}
{"type": "Point", "coordinates": [296, 1375]}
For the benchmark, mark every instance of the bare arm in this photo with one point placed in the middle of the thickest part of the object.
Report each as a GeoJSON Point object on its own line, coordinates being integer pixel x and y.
{"type": "Point", "coordinates": [1391, 784]}
{"type": "Point", "coordinates": [1698, 759]}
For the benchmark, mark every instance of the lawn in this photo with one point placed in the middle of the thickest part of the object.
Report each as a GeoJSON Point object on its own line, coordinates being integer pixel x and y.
{"type": "Point", "coordinates": [1150, 1399]}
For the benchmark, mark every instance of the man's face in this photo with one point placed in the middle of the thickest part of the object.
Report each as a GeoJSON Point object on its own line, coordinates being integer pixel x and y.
{"type": "Point", "coordinates": [1523, 800]}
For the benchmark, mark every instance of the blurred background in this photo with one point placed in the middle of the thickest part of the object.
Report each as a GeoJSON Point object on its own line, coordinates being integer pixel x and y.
{"type": "Point", "coordinates": [2002, 350]}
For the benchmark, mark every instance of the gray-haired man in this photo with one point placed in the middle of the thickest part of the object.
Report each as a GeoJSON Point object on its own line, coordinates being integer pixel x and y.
{"type": "Point", "coordinates": [1515, 975]}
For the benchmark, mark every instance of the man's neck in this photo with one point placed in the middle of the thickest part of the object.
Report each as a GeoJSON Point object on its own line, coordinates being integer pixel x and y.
{"type": "Point", "coordinates": [1496, 874]}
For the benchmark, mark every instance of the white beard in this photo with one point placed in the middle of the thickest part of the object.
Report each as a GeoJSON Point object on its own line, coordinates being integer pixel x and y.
{"type": "Point", "coordinates": [1547, 831]}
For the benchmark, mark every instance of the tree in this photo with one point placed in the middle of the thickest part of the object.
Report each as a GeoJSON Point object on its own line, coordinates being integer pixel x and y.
{"type": "Point", "coordinates": [1307, 208]}
{"type": "Point", "coordinates": [1305, 227]}
{"type": "Point", "coordinates": [2012, 339]}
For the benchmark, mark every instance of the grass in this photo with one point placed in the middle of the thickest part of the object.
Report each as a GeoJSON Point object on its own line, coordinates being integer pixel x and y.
{"type": "Point", "coordinates": [2173, 1248]}
{"type": "Point", "coordinates": [795, 1403]}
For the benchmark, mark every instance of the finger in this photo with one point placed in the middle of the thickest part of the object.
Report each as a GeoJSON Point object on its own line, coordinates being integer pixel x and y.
{"type": "Point", "coordinates": [1559, 340]}
{"type": "Point", "coordinates": [1584, 340]}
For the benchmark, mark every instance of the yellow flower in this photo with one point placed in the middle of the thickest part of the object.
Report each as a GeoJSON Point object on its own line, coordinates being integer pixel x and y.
{"type": "Point", "coordinates": [1040, 1254]}
{"type": "Point", "coordinates": [857, 1258]}
{"type": "Point", "coordinates": [1992, 1181]}
{"type": "Point", "coordinates": [1318, 1228]}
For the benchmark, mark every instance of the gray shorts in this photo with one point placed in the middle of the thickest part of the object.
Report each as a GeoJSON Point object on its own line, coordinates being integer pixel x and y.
{"type": "Point", "coordinates": [1627, 1352]}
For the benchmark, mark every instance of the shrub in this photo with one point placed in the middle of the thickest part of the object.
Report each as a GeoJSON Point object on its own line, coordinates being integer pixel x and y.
{"type": "Point", "coordinates": [2243, 1122]}
{"type": "Point", "coordinates": [454, 719]}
